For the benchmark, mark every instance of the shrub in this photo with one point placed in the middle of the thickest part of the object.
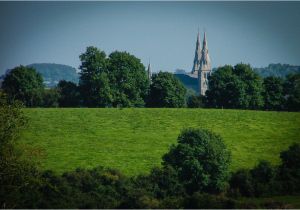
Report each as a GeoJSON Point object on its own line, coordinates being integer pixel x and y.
{"type": "Point", "coordinates": [289, 170]}
{"type": "Point", "coordinates": [263, 178]}
{"type": "Point", "coordinates": [208, 201]}
{"type": "Point", "coordinates": [241, 183]}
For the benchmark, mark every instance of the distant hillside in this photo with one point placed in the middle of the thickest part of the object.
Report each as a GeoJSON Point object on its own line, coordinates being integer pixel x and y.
{"type": "Point", "coordinates": [278, 70]}
{"type": "Point", "coordinates": [188, 82]}
{"type": "Point", "coordinates": [53, 73]}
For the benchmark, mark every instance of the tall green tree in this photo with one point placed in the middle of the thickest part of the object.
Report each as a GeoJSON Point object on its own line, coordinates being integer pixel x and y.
{"type": "Point", "coordinates": [292, 92]}
{"type": "Point", "coordinates": [94, 83]}
{"type": "Point", "coordinates": [69, 95]}
{"type": "Point", "coordinates": [24, 84]}
{"type": "Point", "coordinates": [235, 87]}
{"type": "Point", "coordinates": [201, 160]}
{"type": "Point", "coordinates": [50, 97]}
{"type": "Point", "coordinates": [128, 79]}
{"type": "Point", "coordinates": [166, 91]}
{"type": "Point", "coordinates": [273, 93]}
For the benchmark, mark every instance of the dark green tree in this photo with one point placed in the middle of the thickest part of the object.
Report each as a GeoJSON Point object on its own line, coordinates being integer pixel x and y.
{"type": "Point", "coordinates": [69, 95]}
{"type": "Point", "coordinates": [24, 84]}
{"type": "Point", "coordinates": [128, 79]}
{"type": "Point", "coordinates": [201, 160]}
{"type": "Point", "coordinates": [235, 87]}
{"type": "Point", "coordinates": [273, 93]}
{"type": "Point", "coordinates": [290, 169]}
{"type": "Point", "coordinates": [166, 91]}
{"type": "Point", "coordinates": [292, 92]}
{"type": "Point", "coordinates": [94, 83]}
{"type": "Point", "coordinates": [50, 97]}
{"type": "Point", "coordinates": [195, 101]}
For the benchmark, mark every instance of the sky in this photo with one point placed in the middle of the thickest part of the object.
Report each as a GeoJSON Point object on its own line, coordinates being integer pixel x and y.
{"type": "Point", "coordinates": [164, 33]}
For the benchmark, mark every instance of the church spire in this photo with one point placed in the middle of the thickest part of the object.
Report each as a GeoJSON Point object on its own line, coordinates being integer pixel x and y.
{"type": "Point", "coordinates": [197, 57]}
{"type": "Point", "coordinates": [205, 59]}
{"type": "Point", "coordinates": [149, 73]}
{"type": "Point", "coordinates": [205, 68]}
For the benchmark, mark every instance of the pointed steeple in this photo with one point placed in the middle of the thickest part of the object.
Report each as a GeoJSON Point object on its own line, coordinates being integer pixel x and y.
{"type": "Point", "coordinates": [149, 73]}
{"type": "Point", "coordinates": [197, 57]}
{"type": "Point", "coordinates": [204, 40]}
{"type": "Point", "coordinates": [205, 68]}
{"type": "Point", "coordinates": [205, 59]}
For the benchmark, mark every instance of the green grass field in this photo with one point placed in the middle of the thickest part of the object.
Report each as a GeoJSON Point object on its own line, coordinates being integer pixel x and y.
{"type": "Point", "coordinates": [134, 140]}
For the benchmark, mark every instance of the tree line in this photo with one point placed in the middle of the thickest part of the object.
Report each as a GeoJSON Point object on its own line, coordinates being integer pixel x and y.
{"type": "Point", "coordinates": [239, 87]}
{"type": "Point", "coordinates": [117, 80]}
{"type": "Point", "coordinates": [194, 174]}
{"type": "Point", "coordinates": [120, 80]}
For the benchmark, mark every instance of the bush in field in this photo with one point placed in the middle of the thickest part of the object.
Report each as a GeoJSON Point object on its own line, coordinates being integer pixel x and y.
{"type": "Point", "coordinates": [289, 170]}
{"type": "Point", "coordinates": [241, 183]}
{"type": "Point", "coordinates": [263, 178]}
{"type": "Point", "coordinates": [266, 180]}
{"type": "Point", "coordinates": [201, 160]}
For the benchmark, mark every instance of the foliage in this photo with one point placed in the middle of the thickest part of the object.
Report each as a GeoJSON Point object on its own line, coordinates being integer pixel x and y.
{"type": "Point", "coordinates": [273, 93]}
{"type": "Point", "coordinates": [119, 80]}
{"type": "Point", "coordinates": [129, 79]}
{"type": "Point", "coordinates": [267, 180]}
{"type": "Point", "coordinates": [263, 178]}
{"type": "Point", "coordinates": [241, 183]}
{"type": "Point", "coordinates": [93, 83]}
{"type": "Point", "coordinates": [208, 201]}
{"type": "Point", "coordinates": [69, 95]}
{"type": "Point", "coordinates": [15, 174]}
{"type": "Point", "coordinates": [24, 84]}
{"type": "Point", "coordinates": [50, 97]}
{"type": "Point", "coordinates": [290, 169]}
{"type": "Point", "coordinates": [166, 91]}
{"type": "Point", "coordinates": [195, 101]}
{"type": "Point", "coordinates": [235, 87]}
{"type": "Point", "coordinates": [292, 92]}
{"type": "Point", "coordinates": [201, 159]}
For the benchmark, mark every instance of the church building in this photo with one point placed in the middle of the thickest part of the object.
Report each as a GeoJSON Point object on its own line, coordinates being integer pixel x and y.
{"type": "Point", "coordinates": [202, 65]}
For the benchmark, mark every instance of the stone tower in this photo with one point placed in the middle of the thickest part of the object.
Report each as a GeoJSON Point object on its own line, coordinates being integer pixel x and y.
{"type": "Point", "coordinates": [149, 73]}
{"type": "Point", "coordinates": [197, 57]}
{"type": "Point", "coordinates": [205, 68]}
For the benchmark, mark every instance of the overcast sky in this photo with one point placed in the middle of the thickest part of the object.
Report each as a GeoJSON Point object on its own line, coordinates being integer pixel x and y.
{"type": "Point", "coordinates": [258, 33]}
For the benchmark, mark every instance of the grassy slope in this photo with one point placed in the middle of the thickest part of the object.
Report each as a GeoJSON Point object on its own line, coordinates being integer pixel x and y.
{"type": "Point", "coordinates": [134, 140]}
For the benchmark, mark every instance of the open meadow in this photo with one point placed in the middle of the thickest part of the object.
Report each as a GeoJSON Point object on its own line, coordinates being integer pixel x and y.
{"type": "Point", "coordinates": [134, 140]}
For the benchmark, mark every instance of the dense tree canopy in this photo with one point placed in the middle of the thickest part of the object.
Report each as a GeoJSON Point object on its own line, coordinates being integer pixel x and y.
{"type": "Point", "coordinates": [235, 87]}
{"type": "Point", "coordinates": [119, 80]}
{"type": "Point", "coordinates": [166, 91]}
{"type": "Point", "coordinates": [292, 92]}
{"type": "Point", "coordinates": [24, 84]}
{"type": "Point", "coordinates": [93, 83]}
{"type": "Point", "coordinates": [201, 159]}
{"type": "Point", "coordinates": [273, 93]}
{"type": "Point", "coordinates": [128, 79]}
{"type": "Point", "coordinates": [69, 95]}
